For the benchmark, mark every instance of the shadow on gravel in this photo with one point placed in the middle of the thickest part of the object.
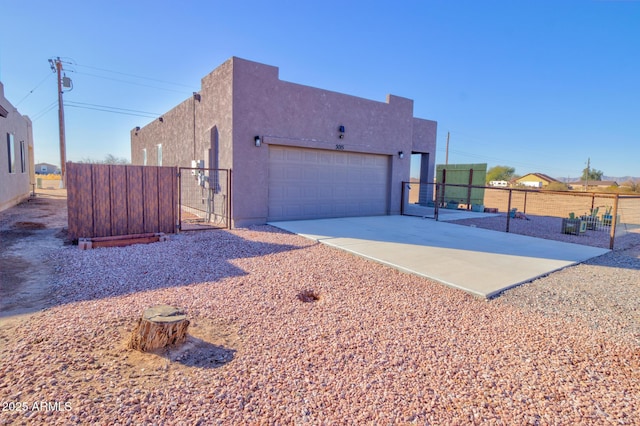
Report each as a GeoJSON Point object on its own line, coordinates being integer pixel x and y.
{"type": "Point", "coordinates": [200, 354]}
{"type": "Point", "coordinates": [37, 271]}
{"type": "Point", "coordinates": [185, 259]}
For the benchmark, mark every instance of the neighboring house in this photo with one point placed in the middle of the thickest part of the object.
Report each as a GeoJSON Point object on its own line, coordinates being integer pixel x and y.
{"type": "Point", "coordinates": [594, 184]}
{"type": "Point", "coordinates": [16, 154]}
{"type": "Point", "coordinates": [296, 152]}
{"type": "Point", "coordinates": [46, 169]}
{"type": "Point", "coordinates": [534, 180]}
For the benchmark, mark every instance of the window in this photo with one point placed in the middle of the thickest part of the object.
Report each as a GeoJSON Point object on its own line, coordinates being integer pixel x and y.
{"type": "Point", "coordinates": [159, 154]}
{"type": "Point", "coordinates": [23, 159]}
{"type": "Point", "coordinates": [144, 156]}
{"type": "Point", "coordinates": [11, 153]}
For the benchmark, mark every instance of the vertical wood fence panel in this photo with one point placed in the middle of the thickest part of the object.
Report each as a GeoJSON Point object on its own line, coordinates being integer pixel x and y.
{"type": "Point", "coordinates": [119, 205]}
{"type": "Point", "coordinates": [79, 200]}
{"type": "Point", "coordinates": [167, 180]}
{"type": "Point", "coordinates": [101, 201]}
{"type": "Point", "coordinates": [135, 201]}
{"type": "Point", "coordinates": [108, 200]}
{"type": "Point", "coordinates": [150, 185]}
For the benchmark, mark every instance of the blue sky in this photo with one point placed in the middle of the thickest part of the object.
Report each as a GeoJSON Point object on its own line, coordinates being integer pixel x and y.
{"type": "Point", "coordinates": [537, 85]}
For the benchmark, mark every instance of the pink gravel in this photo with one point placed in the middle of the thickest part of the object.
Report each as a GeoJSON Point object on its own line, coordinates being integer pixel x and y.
{"type": "Point", "coordinates": [549, 227]}
{"type": "Point", "coordinates": [378, 346]}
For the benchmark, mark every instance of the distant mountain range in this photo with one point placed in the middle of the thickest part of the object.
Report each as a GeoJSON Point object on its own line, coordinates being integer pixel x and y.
{"type": "Point", "coordinates": [619, 179]}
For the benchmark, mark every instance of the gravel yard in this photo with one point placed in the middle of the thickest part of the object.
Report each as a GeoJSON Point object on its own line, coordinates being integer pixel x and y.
{"type": "Point", "coordinates": [549, 227]}
{"type": "Point", "coordinates": [288, 331]}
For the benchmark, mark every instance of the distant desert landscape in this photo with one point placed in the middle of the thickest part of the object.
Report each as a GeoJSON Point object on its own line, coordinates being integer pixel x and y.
{"type": "Point", "coordinates": [554, 204]}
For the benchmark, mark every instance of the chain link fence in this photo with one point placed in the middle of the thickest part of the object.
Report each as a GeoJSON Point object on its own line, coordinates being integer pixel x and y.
{"type": "Point", "coordinates": [596, 219]}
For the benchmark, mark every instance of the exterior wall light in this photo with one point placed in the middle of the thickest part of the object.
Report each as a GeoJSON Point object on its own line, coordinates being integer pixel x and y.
{"type": "Point", "coordinates": [257, 140]}
{"type": "Point", "coordinates": [341, 130]}
{"type": "Point", "coordinates": [401, 154]}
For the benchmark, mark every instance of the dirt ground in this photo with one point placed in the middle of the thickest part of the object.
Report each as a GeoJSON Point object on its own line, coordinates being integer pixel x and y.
{"type": "Point", "coordinates": [32, 230]}
{"type": "Point", "coordinates": [28, 233]}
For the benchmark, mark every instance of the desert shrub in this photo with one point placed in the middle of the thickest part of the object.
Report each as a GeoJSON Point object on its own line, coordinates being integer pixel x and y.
{"type": "Point", "coordinates": [556, 186]}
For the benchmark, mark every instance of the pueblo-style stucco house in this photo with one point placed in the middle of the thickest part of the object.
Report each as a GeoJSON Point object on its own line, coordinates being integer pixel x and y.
{"type": "Point", "coordinates": [295, 152]}
{"type": "Point", "coordinates": [16, 154]}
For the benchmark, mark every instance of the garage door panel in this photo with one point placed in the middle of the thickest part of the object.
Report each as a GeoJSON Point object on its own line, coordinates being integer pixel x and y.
{"type": "Point", "coordinates": [292, 210]}
{"type": "Point", "coordinates": [355, 160]}
{"type": "Point", "coordinates": [311, 157]}
{"type": "Point", "coordinates": [294, 155]}
{"type": "Point", "coordinates": [309, 193]}
{"type": "Point", "coordinates": [311, 173]}
{"type": "Point", "coordinates": [324, 158]}
{"type": "Point", "coordinates": [294, 173]}
{"type": "Point", "coordinates": [277, 194]}
{"type": "Point", "coordinates": [340, 193]}
{"type": "Point", "coordinates": [307, 183]}
{"type": "Point", "coordinates": [339, 175]}
{"type": "Point", "coordinates": [325, 192]}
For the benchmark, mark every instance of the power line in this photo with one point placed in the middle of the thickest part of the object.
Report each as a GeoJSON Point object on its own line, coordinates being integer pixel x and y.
{"type": "Point", "coordinates": [110, 107]}
{"type": "Point", "coordinates": [114, 110]}
{"type": "Point", "coordinates": [130, 82]}
{"type": "Point", "coordinates": [44, 111]}
{"type": "Point", "coordinates": [33, 90]}
{"type": "Point", "coordinates": [134, 76]}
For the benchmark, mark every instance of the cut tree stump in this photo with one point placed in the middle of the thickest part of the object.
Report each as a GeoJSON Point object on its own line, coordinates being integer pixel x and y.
{"type": "Point", "coordinates": [160, 326]}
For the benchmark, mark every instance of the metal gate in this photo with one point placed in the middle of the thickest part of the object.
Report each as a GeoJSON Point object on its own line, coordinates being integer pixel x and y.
{"type": "Point", "coordinates": [204, 199]}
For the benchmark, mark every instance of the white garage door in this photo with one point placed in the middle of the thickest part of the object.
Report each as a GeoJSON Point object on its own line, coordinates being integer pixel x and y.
{"type": "Point", "coordinates": [314, 183]}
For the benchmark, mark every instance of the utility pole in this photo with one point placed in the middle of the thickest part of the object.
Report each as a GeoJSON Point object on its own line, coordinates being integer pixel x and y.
{"type": "Point", "coordinates": [446, 158]}
{"type": "Point", "coordinates": [586, 175]}
{"type": "Point", "coordinates": [56, 66]}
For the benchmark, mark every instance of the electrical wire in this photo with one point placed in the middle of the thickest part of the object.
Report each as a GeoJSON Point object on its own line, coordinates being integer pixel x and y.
{"type": "Point", "coordinates": [44, 111]}
{"type": "Point", "coordinates": [110, 107]}
{"type": "Point", "coordinates": [33, 90]}
{"type": "Point", "coordinates": [114, 110]}
{"type": "Point", "coordinates": [133, 75]}
{"type": "Point", "coordinates": [130, 82]}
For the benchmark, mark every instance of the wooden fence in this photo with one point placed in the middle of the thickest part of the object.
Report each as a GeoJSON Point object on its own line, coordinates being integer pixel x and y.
{"type": "Point", "coordinates": [107, 200]}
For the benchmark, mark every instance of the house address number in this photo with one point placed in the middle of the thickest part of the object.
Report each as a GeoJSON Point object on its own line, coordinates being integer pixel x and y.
{"type": "Point", "coordinates": [340, 147]}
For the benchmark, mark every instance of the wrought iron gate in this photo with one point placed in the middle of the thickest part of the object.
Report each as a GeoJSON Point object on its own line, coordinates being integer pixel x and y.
{"type": "Point", "coordinates": [204, 199]}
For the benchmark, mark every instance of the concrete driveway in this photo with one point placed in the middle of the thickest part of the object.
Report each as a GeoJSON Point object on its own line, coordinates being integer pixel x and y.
{"type": "Point", "coordinates": [478, 261]}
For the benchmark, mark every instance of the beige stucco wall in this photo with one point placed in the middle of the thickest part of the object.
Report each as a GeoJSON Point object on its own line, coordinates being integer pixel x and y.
{"type": "Point", "coordinates": [15, 187]}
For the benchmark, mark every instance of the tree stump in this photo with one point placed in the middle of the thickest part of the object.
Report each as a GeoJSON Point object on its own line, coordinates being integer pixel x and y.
{"type": "Point", "coordinates": [160, 326]}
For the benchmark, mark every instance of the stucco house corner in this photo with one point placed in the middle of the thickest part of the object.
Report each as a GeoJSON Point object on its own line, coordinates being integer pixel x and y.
{"type": "Point", "coordinates": [295, 152]}
{"type": "Point", "coordinates": [16, 159]}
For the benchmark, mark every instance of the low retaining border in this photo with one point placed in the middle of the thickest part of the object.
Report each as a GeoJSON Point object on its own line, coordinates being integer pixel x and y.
{"type": "Point", "coordinates": [121, 240]}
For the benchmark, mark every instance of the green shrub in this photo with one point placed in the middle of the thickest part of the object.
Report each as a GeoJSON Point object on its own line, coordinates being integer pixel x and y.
{"type": "Point", "coordinates": [556, 186]}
